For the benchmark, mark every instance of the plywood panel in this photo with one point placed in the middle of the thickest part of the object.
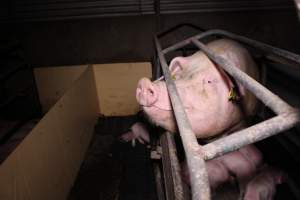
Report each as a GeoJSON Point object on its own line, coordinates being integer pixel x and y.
{"type": "Point", "coordinates": [116, 84]}
{"type": "Point", "coordinates": [52, 82]}
{"type": "Point", "coordinates": [45, 164]}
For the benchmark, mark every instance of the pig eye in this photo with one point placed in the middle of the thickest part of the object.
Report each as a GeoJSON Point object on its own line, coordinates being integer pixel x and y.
{"type": "Point", "coordinates": [208, 81]}
{"type": "Point", "coordinates": [151, 91]}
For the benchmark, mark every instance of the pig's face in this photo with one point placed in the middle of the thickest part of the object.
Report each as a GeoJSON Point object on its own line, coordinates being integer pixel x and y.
{"type": "Point", "coordinates": [204, 93]}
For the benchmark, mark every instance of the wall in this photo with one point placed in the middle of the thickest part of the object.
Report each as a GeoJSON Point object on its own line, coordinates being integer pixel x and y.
{"type": "Point", "coordinates": [130, 38]}
{"type": "Point", "coordinates": [53, 82]}
{"type": "Point", "coordinates": [45, 164]}
{"type": "Point", "coordinates": [116, 85]}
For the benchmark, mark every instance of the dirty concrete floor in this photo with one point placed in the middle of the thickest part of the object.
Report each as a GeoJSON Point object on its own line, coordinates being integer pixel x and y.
{"type": "Point", "coordinates": [113, 170]}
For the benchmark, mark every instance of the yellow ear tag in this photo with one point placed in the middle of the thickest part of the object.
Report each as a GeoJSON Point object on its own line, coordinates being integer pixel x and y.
{"type": "Point", "coordinates": [173, 77]}
{"type": "Point", "coordinates": [232, 96]}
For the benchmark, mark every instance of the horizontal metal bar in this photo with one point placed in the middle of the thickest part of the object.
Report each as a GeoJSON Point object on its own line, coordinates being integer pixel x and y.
{"type": "Point", "coordinates": [196, 164]}
{"type": "Point", "coordinates": [287, 117]}
{"type": "Point", "coordinates": [266, 96]}
{"type": "Point", "coordinates": [283, 54]}
{"type": "Point", "coordinates": [252, 134]}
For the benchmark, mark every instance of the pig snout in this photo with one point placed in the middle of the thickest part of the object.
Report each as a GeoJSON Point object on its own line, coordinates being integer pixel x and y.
{"type": "Point", "coordinates": [146, 93]}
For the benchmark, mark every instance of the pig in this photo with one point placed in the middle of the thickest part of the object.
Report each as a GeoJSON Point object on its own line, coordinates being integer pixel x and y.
{"type": "Point", "coordinates": [138, 131]}
{"type": "Point", "coordinates": [240, 166]}
{"type": "Point", "coordinates": [205, 90]}
{"type": "Point", "coordinates": [263, 185]}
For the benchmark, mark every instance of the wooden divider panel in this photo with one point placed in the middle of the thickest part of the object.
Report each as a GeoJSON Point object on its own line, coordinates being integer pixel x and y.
{"type": "Point", "coordinates": [116, 85]}
{"type": "Point", "coordinates": [45, 164]}
{"type": "Point", "coordinates": [53, 82]}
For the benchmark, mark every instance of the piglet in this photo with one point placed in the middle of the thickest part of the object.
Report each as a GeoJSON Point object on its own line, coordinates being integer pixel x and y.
{"type": "Point", "coordinates": [137, 131]}
{"type": "Point", "coordinates": [240, 165]}
{"type": "Point", "coordinates": [263, 185]}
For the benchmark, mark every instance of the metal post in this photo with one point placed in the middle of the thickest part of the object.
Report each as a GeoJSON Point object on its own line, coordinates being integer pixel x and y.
{"type": "Point", "coordinates": [266, 96]}
{"type": "Point", "coordinates": [251, 135]}
{"type": "Point", "coordinates": [196, 164]}
{"type": "Point", "coordinates": [287, 118]}
{"type": "Point", "coordinates": [272, 53]}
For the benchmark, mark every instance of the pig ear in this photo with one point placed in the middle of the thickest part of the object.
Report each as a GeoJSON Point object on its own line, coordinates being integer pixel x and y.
{"type": "Point", "coordinates": [177, 65]}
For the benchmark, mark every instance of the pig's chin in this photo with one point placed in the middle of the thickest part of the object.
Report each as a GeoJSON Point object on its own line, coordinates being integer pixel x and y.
{"type": "Point", "coordinates": [160, 117]}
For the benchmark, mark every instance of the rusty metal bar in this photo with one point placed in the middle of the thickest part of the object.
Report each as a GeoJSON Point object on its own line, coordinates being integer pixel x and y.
{"type": "Point", "coordinates": [288, 116]}
{"type": "Point", "coordinates": [273, 53]}
{"type": "Point", "coordinates": [158, 181]}
{"type": "Point", "coordinates": [252, 134]}
{"type": "Point", "coordinates": [171, 168]}
{"type": "Point", "coordinates": [196, 164]}
{"type": "Point", "coordinates": [266, 96]}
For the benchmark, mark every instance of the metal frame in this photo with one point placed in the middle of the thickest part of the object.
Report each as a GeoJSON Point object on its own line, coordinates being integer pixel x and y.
{"type": "Point", "coordinates": [287, 116]}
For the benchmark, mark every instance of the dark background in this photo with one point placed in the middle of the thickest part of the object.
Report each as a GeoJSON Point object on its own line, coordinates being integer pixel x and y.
{"type": "Point", "coordinates": [66, 32]}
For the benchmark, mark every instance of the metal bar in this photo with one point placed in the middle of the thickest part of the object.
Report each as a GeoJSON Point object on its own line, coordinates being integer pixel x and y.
{"type": "Point", "coordinates": [175, 167]}
{"type": "Point", "coordinates": [196, 164]}
{"type": "Point", "coordinates": [158, 181]}
{"type": "Point", "coordinates": [287, 116]}
{"type": "Point", "coordinates": [266, 96]}
{"type": "Point", "coordinates": [252, 134]}
{"type": "Point", "coordinates": [173, 182]}
{"type": "Point", "coordinates": [285, 55]}
{"type": "Point", "coordinates": [166, 164]}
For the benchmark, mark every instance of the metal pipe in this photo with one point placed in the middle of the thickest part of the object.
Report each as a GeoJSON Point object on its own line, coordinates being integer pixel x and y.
{"type": "Point", "coordinates": [177, 181]}
{"type": "Point", "coordinates": [285, 55]}
{"type": "Point", "coordinates": [196, 164]}
{"type": "Point", "coordinates": [287, 116]}
{"type": "Point", "coordinates": [158, 181]}
{"type": "Point", "coordinates": [266, 96]}
{"type": "Point", "coordinates": [174, 186]}
{"type": "Point", "coordinates": [252, 134]}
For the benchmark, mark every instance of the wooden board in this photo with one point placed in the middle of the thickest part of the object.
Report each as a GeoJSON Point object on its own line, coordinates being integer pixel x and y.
{"type": "Point", "coordinates": [116, 85]}
{"type": "Point", "coordinates": [45, 164]}
{"type": "Point", "coordinates": [53, 82]}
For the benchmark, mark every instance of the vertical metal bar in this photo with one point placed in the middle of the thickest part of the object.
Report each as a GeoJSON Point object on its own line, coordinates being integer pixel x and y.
{"type": "Point", "coordinates": [158, 181]}
{"type": "Point", "coordinates": [166, 164]}
{"type": "Point", "coordinates": [171, 168]}
{"type": "Point", "coordinates": [175, 167]}
{"type": "Point", "coordinates": [196, 164]}
{"type": "Point", "coordinates": [266, 96]}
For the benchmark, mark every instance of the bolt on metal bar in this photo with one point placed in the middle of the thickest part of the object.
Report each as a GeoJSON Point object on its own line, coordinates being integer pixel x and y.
{"type": "Point", "coordinates": [196, 164]}
{"type": "Point", "coordinates": [275, 54]}
{"type": "Point", "coordinates": [252, 134]}
{"type": "Point", "coordinates": [266, 96]}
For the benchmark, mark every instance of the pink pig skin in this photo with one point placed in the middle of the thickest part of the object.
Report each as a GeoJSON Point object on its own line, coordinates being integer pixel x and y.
{"type": "Point", "coordinates": [138, 131]}
{"type": "Point", "coordinates": [263, 185]}
{"type": "Point", "coordinates": [203, 89]}
{"type": "Point", "coordinates": [241, 165]}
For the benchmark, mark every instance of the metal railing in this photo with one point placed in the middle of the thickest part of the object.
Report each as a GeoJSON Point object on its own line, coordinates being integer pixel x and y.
{"type": "Point", "coordinates": [286, 116]}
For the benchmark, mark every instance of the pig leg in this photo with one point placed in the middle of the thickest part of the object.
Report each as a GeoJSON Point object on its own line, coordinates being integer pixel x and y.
{"type": "Point", "coordinates": [263, 185]}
